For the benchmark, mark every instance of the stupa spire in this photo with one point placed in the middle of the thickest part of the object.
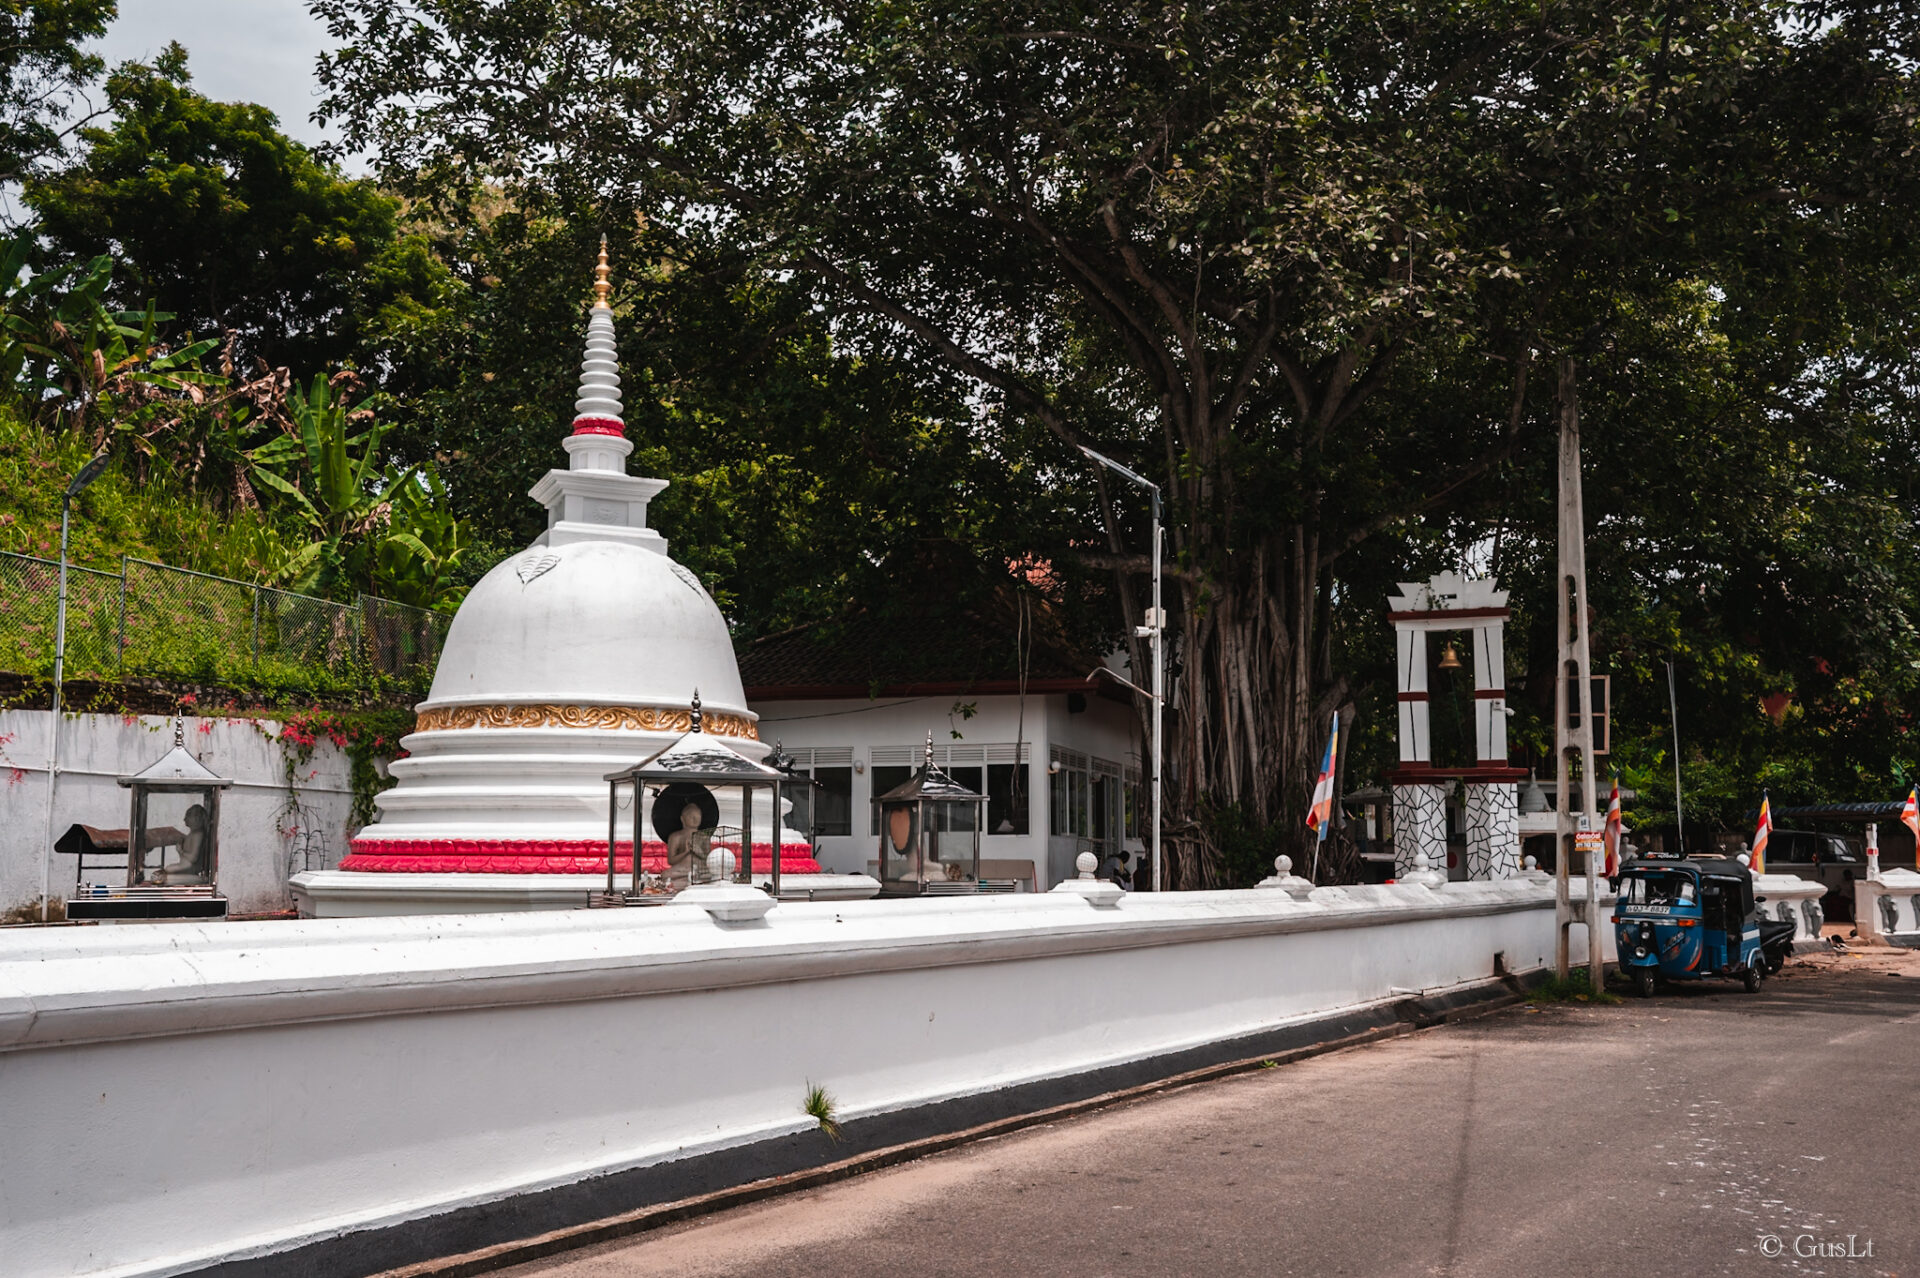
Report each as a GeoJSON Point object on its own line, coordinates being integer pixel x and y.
{"type": "Point", "coordinates": [594, 499]}
{"type": "Point", "coordinates": [598, 406]}
{"type": "Point", "coordinates": [602, 280]}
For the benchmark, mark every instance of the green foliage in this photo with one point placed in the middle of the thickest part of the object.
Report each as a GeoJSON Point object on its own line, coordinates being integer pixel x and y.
{"type": "Point", "coordinates": [426, 556]}
{"type": "Point", "coordinates": [367, 520]}
{"type": "Point", "coordinates": [221, 219]}
{"type": "Point", "coordinates": [43, 68]}
{"type": "Point", "coordinates": [64, 351]}
{"type": "Point", "coordinates": [1309, 267]}
{"type": "Point", "coordinates": [331, 477]}
{"type": "Point", "coordinates": [155, 516]}
{"type": "Point", "coordinates": [1244, 846]}
{"type": "Point", "coordinates": [1577, 987]}
{"type": "Point", "coordinates": [805, 481]}
{"type": "Point", "coordinates": [819, 1106]}
{"type": "Point", "coordinates": [86, 371]}
{"type": "Point", "coordinates": [162, 621]}
{"type": "Point", "coordinates": [369, 738]}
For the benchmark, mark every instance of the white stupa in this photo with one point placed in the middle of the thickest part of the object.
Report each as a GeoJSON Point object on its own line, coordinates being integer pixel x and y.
{"type": "Point", "coordinates": [573, 659]}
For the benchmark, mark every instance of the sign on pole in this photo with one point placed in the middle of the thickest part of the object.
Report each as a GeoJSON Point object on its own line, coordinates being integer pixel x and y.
{"type": "Point", "coordinates": [1588, 844]}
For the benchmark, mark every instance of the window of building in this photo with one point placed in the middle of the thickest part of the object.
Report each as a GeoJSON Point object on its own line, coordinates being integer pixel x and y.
{"type": "Point", "coordinates": [1071, 786]}
{"type": "Point", "coordinates": [833, 801]}
{"type": "Point", "coordinates": [825, 809]}
{"type": "Point", "coordinates": [996, 767]}
{"type": "Point", "coordinates": [885, 778]}
{"type": "Point", "coordinates": [1106, 809]}
{"type": "Point", "coordinates": [961, 816]}
{"type": "Point", "coordinates": [1007, 798]}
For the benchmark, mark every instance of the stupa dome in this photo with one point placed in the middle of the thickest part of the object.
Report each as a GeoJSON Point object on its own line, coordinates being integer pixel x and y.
{"type": "Point", "coordinates": [603, 623]}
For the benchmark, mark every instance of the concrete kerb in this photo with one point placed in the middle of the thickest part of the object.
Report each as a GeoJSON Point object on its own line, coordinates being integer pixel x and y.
{"type": "Point", "coordinates": [489, 1237]}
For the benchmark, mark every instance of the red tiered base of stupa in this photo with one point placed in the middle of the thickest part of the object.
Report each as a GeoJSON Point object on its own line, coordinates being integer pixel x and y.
{"type": "Point", "coordinates": [543, 856]}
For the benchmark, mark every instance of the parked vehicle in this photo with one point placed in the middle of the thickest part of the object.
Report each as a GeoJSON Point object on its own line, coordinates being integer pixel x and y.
{"type": "Point", "coordinates": [1826, 859]}
{"type": "Point", "coordinates": [1685, 919]}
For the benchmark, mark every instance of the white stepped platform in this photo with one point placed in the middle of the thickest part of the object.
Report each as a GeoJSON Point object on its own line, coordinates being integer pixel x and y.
{"type": "Point", "coordinates": [346, 894]}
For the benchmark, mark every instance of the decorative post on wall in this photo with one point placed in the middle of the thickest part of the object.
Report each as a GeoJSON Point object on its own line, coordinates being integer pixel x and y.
{"type": "Point", "coordinates": [1451, 601]}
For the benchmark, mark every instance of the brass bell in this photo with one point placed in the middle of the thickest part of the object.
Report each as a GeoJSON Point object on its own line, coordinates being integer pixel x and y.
{"type": "Point", "coordinates": [1449, 659]}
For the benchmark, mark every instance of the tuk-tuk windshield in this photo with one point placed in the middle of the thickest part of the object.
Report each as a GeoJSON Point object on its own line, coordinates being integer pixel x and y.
{"type": "Point", "coordinates": [1656, 889]}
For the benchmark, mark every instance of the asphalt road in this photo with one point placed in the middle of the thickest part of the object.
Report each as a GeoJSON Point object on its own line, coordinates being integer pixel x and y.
{"type": "Point", "coordinates": [1675, 1136]}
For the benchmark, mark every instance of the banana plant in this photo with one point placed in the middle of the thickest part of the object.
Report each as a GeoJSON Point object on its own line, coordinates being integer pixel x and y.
{"type": "Point", "coordinates": [49, 320]}
{"type": "Point", "coordinates": [419, 561]}
{"type": "Point", "coordinates": [334, 481]}
{"type": "Point", "coordinates": [66, 354]}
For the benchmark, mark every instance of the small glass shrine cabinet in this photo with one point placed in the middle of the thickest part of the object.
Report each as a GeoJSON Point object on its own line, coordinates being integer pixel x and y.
{"type": "Point", "coordinates": [686, 817]}
{"type": "Point", "coordinates": [172, 843]}
{"type": "Point", "coordinates": [929, 834]}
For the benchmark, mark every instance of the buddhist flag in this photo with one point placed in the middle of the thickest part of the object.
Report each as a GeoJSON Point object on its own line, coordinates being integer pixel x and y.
{"type": "Point", "coordinates": [1910, 815]}
{"type": "Point", "coordinates": [1319, 816]}
{"type": "Point", "coordinates": [1611, 831]}
{"type": "Point", "coordinates": [1761, 833]}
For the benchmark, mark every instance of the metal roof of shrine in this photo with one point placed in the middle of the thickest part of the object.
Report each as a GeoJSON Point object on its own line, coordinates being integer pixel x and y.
{"type": "Point", "coordinates": [930, 783]}
{"type": "Point", "coordinates": [176, 769]}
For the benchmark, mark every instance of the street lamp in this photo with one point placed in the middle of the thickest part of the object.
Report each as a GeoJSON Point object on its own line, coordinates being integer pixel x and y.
{"type": "Point", "coordinates": [1155, 629]}
{"type": "Point", "coordinates": [88, 473]}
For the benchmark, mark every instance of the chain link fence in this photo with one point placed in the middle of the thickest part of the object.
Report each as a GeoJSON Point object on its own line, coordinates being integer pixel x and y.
{"type": "Point", "coordinates": [152, 619]}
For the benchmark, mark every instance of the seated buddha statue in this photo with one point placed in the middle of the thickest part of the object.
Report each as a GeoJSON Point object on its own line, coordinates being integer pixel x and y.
{"type": "Point", "coordinates": [687, 848]}
{"type": "Point", "coordinates": [191, 868]}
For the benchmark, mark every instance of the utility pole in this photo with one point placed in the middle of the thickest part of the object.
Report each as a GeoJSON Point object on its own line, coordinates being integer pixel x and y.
{"type": "Point", "coordinates": [1154, 630]}
{"type": "Point", "coordinates": [1575, 682]}
{"type": "Point", "coordinates": [1679, 808]}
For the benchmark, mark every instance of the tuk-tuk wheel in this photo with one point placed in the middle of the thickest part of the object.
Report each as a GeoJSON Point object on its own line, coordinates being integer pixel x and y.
{"type": "Point", "coordinates": [1643, 982]}
{"type": "Point", "coordinates": [1753, 979]}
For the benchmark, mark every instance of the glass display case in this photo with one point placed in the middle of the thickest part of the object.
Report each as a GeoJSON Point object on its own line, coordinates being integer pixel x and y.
{"type": "Point", "coordinates": [929, 834]}
{"type": "Point", "coordinates": [172, 843]}
{"type": "Point", "coordinates": [687, 782]}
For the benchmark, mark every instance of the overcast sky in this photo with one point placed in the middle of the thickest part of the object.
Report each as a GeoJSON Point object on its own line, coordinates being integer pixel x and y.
{"type": "Point", "coordinates": [239, 50]}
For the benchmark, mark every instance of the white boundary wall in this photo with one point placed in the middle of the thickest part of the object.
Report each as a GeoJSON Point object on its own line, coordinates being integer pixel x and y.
{"type": "Point", "coordinates": [175, 1095]}
{"type": "Point", "coordinates": [256, 854]}
{"type": "Point", "coordinates": [1888, 908]}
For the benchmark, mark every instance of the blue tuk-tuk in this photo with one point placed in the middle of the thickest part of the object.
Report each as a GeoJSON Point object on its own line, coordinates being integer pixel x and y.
{"type": "Point", "coordinates": [1686, 918]}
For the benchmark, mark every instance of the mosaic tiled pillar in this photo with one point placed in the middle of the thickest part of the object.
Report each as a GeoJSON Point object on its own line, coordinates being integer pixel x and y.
{"type": "Point", "coordinates": [1493, 830]}
{"type": "Point", "coordinates": [1419, 825]}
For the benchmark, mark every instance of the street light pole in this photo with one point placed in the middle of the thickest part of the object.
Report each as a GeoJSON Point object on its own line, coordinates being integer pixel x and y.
{"type": "Point", "coordinates": [1155, 629]}
{"type": "Point", "coordinates": [88, 473]}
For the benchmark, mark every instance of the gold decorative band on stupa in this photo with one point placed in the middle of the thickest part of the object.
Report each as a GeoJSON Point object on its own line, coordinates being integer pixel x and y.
{"type": "Point", "coordinates": [606, 718]}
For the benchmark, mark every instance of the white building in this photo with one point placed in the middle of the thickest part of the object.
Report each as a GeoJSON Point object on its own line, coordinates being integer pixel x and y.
{"type": "Point", "coordinates": [1058, 757]}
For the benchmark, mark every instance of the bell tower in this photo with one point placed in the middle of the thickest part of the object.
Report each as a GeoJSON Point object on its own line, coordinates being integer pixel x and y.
{"type": "Point", "coordinates": [1490, 796]}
